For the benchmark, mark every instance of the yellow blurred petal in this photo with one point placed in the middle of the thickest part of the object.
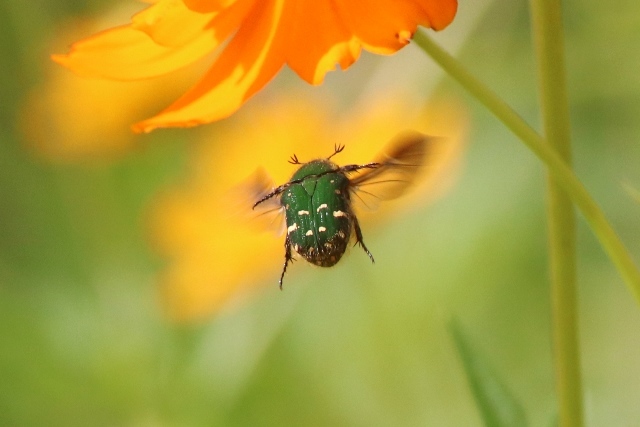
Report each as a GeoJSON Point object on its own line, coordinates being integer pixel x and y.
{"type": "Point", "coordinates": [124, 53]}
{"type": "Point", "coordinates": [56, 126]}
{"type": "Point", "coordinates": [67, 119]}
{"type": "Point", "coordinates": [252, 58]}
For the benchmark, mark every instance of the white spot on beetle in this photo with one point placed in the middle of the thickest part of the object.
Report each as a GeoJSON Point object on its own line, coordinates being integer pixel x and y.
{"type": "Point", "coordinates": [309, 233]}
{"type": "Point", "coordinates": [341, 234]}
{"type": "Point", "coordinates": [303, 212]}
{"type": "Point", "coordinates": [322, 206]}
{"type": "Point", "coordinates": [338, 192]}
{"type": "Point", "coordinates": [292, 228]}
{"type": "Point", "coordinates": [321, 229]}
{"type": "Point", "coordinates": [337, 214]}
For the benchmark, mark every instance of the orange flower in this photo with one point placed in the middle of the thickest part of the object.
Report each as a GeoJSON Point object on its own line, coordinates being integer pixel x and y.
{"type": "Point", "coordinates": [263, 35]}
{"type": "Point", "coordinates": [214, 252]}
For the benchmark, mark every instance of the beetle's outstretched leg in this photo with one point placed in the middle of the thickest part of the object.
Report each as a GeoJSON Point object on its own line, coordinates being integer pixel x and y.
{"type": "Point", "coordinates": [287, 258]}
{"type": "Point", "coordinates": [275, 192]}
{"type": "Point", "coordinates": [359, 238]}
{"type": "Point", "coordinates": [355, 168]}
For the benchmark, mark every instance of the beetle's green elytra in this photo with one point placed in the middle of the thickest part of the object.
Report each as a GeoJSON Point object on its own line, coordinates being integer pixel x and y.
{"type": "Point", "coordinates": [317, 200]}
{"type": "Point", "coordinates": [317, 213]}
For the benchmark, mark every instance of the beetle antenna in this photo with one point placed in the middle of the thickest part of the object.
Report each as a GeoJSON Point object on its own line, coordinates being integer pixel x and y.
{"type": "Point", "coordinates": [336, 149]}
{"type": "Point", "coordinates": [294, 160]}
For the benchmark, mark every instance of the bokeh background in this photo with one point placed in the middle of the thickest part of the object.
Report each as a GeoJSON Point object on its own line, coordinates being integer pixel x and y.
{"type": "Point", "coordinates": [85, 338]}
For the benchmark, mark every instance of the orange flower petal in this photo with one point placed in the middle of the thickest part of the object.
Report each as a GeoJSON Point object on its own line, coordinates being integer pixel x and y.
{"type": "Point", "coordinates": [124, 53]}
{"type": "Point", "coordinates": [440, 13]}
{"type": "Point", "coordinates": [206, 6]}
{"type": "Point", "coordinates": [171, 23]}
{"type": "Point", "coordinates": [311, 36]}
{"type": "Point", "coordinates": [317, 40]}
{"type": "Point", "coordinates": [385, 26]}
{"type": "Point", "coordinates": [251, 59]}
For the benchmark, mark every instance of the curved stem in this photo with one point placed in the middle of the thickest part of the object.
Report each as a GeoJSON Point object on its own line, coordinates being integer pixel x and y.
{"type": "Point", "coordinates": [562, 173]}
{"type": "Point", "coordinates": [554, 103]}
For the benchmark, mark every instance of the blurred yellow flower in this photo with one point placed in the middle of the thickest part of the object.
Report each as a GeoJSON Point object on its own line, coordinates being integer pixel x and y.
{"type": "Point", "coordinates": [213, 251]}
{"type": "Point", "coordinates": [254, 40]}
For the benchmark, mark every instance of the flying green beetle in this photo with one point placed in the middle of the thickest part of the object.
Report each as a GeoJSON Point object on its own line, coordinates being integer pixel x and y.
{"type": "Point", "coordinates": [318, 199]}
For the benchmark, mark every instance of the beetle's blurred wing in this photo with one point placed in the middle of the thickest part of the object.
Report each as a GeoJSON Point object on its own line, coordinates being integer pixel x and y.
{"type": "Point", "coordinates": [395, 169]}
{"type": "Point", "coordinates": [268, 215]}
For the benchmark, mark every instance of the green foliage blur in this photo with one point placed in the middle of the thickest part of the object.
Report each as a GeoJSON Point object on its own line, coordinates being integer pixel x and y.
{"type": "Point", "coordinates": [84, 342]}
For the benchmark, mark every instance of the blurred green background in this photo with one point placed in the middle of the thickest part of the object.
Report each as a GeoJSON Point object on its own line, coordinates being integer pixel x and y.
{"type": "Point", "coordinates": [83, 341]}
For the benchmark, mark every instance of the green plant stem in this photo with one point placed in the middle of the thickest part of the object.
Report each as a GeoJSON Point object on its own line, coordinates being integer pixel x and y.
{"type": "Point", "coordinates": [562, 173]}
{"type": "Point", "coordinates": [549, 46]}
